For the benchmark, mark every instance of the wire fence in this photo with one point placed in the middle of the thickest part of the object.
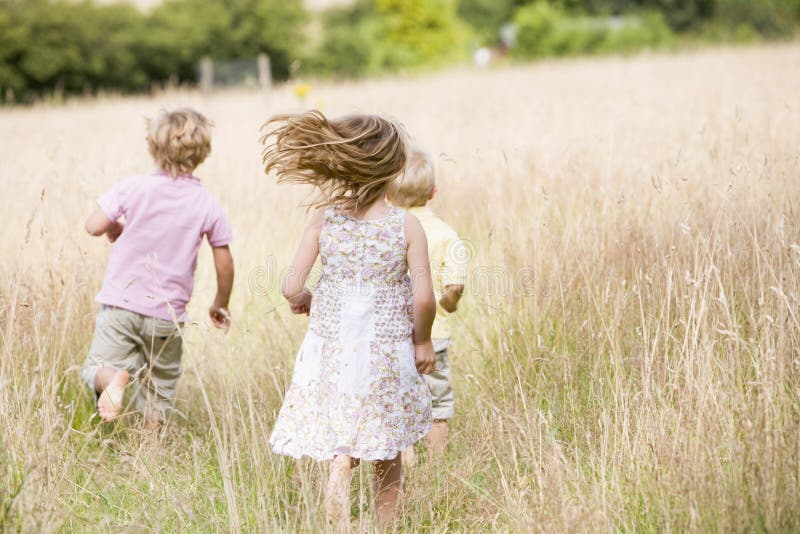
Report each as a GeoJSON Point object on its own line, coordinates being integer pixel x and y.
{"type": "Point", "coordinates": [249, 72]}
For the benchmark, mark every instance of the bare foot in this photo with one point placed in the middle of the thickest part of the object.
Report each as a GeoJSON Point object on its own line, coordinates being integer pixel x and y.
{"type": "Point", "coordinates": [337, 493]}
{"type": "Point", "coordinates": [436, 440]}
{"type": "Point", "coordinates": [110, 402]}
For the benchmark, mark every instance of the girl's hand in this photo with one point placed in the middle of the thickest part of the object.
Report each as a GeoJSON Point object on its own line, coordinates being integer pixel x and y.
{"type": "Point", "coordinates": [425, 358]}
{"type": "Point", "coordinates": [301, 309]}
{"type": "Point", "coordinates": [301, 304]}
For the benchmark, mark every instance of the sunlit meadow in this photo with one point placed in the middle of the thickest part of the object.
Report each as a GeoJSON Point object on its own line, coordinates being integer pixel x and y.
{"type": "Point", "coordinates": [626, 358]}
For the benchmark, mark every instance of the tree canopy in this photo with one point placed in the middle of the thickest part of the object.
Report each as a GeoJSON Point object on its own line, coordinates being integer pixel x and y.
{"type": "Point", "coordinates": [69, 46]}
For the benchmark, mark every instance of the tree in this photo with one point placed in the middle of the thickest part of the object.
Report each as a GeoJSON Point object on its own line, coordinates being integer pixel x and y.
{"type": "Point", "coordinates": [182, 31]}
{"type": "Point", "coordinates": [770, 18]}
{"type": "Point", "coordinates": [68, 46]}
{"type": "Point", "coordinates": [13, 37]}
{"type": "Point", "coordinates": [80, 46]}
{"type": "Point", "coordinates": [378, 35]}
{"type": "Point", "coordinates": [487, 16]}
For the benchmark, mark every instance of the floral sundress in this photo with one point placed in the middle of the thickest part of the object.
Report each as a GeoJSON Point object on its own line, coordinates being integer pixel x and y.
{"type": "Point", "coordinates": [355, 388]}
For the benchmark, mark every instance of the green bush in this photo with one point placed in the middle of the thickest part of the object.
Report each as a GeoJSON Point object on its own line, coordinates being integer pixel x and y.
{"type": "Point", "coordinates": [347, 46]}
{"type": "Point", "coordinates": [770, 18]}
{"type": "Point", "coordinates": [544, 30]}
{"type": "Point", "coordinates": [77, 47]}
{"type": "Point", "coordinates": [486, 16]}
{"type": "Point", "coordinates": [683, 15]}
{"type": "Point", "coordinates": [69, 47]}
{"type": "Point", "coordinates": [13, 39]}
{"type": "Point", "coordinates": [636, 33]}
{"type": "Point", "coordinates": [389, 35]}
{"type": "Point", "coordinates": [536, 24]}
{"type": "Point", "coordinates": [420, 32]}
{"type": "Point", "coordinates": [183, 31]}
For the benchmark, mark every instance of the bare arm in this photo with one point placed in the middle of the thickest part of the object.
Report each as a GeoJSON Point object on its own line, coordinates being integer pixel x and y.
{"type": "Point", "coordinates": [452, 294]}
{"type": "Point", "coordinates": [223, 264]}
{"type": "Point", "coordinates": [293, 286]}
{"type": "Point", "coordinates": [424, 303]}
{"type": "Point", "coordinates": [98, 224]}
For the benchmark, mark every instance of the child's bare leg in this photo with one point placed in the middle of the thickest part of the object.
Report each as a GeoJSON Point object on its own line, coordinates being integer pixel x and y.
{"type": "Point", "coordinates": [337, 493]}
{"type": "Point", "coordinates": [436, 440]}
{"type": "Point", "coordinates": [409, 458]}
{"type": "Point", "coordinates": [110, 384]}
{"type": "Point", "coordinates": [388, 487]}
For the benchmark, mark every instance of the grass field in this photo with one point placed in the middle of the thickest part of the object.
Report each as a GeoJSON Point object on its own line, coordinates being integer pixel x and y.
{"type": "Point", "coordinates": [627, 357]}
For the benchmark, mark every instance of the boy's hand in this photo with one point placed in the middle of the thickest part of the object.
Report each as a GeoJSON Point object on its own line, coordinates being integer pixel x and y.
{"type": "Point", "coordinates": [452, 294]}
{"type": "Point", "coordinates": [425, 358]}
{"type": "Point", "coordinates": [221, 317]}
{"type": "Point", "coordinates": [448, 305]}
{"type": "Point", "coordinates": [114, 232]}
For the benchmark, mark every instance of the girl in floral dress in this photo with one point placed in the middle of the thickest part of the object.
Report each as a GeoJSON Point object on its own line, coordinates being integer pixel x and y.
{"type": "Point", "coordinates": [356, 392]}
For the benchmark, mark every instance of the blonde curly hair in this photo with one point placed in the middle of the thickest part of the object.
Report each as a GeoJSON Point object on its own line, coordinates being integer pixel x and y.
{"type": "Point", "coordinates": [351, 159]}
{"type": "Point", "coordinates": [179, 140]}
{"type": "Point", "coordinates": [415, 186]}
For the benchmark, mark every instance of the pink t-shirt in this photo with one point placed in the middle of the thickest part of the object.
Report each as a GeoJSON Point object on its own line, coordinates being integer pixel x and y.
{"type": "Point", "coordinates": [152, 264]}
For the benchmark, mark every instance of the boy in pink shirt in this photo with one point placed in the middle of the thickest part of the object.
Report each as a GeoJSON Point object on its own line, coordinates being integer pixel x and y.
{"type": "Point", "coordinates": [150, 274]}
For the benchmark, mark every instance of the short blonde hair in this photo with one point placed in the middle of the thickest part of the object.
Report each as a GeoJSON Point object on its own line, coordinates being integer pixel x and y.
{"type": "Point", "coordinates": [179, 140]}
{"type": "Point", "coordinates": [350, 159]}
{"type": "Point", "coordinates": [415, 186]}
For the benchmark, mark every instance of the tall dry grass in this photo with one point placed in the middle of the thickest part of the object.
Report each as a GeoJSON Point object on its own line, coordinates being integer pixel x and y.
{"type": "Point", "coordinates": [626, 357]}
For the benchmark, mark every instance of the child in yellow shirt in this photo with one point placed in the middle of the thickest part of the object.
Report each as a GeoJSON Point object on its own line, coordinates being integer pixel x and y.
{"type": "Point", "coordinates": [412, 190]}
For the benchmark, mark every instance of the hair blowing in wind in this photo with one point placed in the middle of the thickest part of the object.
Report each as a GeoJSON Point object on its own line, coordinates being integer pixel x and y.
{"type": "Point", "coordinates": [350, 159]}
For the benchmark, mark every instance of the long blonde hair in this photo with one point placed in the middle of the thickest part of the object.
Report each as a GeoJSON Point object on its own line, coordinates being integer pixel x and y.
{"type": "Point", "coordinates": [350, 159]}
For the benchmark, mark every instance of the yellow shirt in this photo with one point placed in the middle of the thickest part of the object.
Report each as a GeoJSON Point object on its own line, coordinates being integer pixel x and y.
{"type": "Point", "coordinates": [448, 263]}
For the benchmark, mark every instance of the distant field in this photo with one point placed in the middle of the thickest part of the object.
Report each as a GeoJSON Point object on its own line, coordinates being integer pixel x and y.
{"type": "Point", "coordinates": [627, 356]}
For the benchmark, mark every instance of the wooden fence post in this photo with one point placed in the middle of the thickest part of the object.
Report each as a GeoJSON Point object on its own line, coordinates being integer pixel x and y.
{"type": "Point", "coordinates": [264, 72]}
{"type": "Point", "coordinates": [206, 75]}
